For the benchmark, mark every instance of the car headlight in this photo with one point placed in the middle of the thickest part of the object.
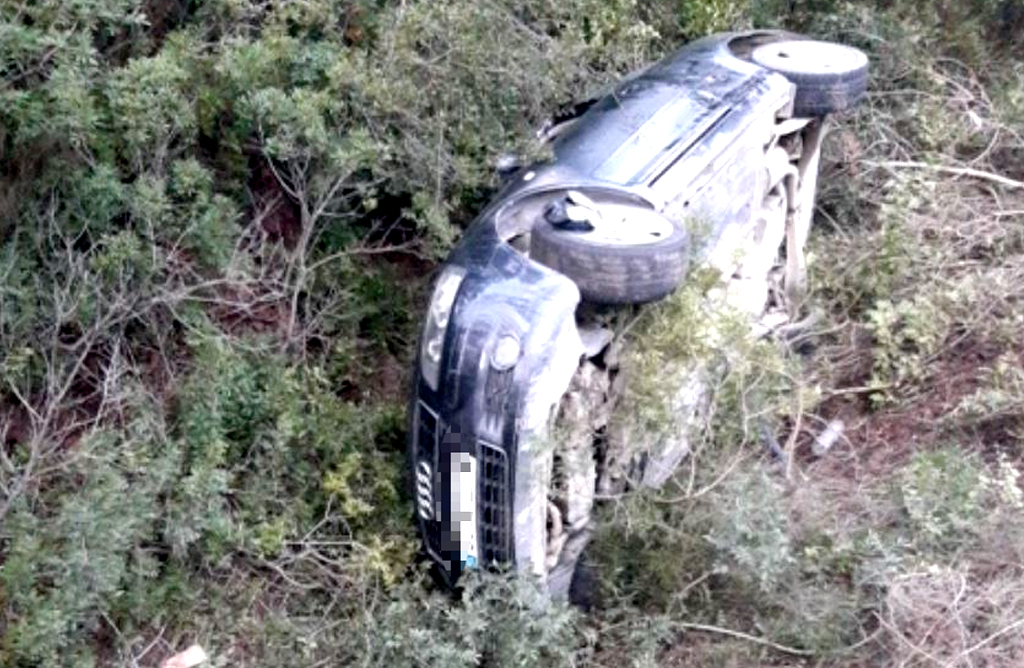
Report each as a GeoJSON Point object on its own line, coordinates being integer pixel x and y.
{"type": "Point", "coordinates": [437, 324]}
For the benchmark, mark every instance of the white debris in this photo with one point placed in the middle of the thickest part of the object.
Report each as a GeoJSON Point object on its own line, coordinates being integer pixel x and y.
{"type": "Point", "coordinates": [191, 657]}
{"type": "Point", "coordinates": [595, 339]}
{"type": "Point", "coordinates": [824, 441]}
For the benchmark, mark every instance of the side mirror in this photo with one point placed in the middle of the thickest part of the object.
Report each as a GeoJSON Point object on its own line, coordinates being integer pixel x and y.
{"type": "Point", "coordinates": [506, 166]}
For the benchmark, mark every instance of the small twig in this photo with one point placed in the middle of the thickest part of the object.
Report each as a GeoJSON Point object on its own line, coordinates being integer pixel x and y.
{"type": "Point", "coordinates": [954, 171]}
{"type": "Point", "coordinates": [685, 591]}
{"type": "Point", "coordinates": [303, 586]}
{"type": "Point", "coordinates": [860, 389]}
{"type": "Point", "coordinates": [363, 250]}
{"type": "Point", "coordinates": [903, 639]}
{"type": "Point", "coordinates": [691, 495]}
{"type": "Point", "coordinates": [981, 643]}
{"type": "Point", "coordinates": [791, 440]}
{"type": "Point", "coordinates": [746, 636]}
{"type": "Point", "coordinates": [153, 643]}
{"type": "Point", "coordinates": [38, 67]}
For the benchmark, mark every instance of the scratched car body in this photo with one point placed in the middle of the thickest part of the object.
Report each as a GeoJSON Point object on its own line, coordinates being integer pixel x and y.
{"type": "Point", "coordinates": [727, 131]}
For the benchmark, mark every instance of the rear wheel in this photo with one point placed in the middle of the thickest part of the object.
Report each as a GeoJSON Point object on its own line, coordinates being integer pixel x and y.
{"type": "Point", "coordinates": [828, 77]}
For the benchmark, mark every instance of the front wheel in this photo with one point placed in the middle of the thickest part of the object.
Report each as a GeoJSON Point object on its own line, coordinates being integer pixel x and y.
{"type": "Point", "coordinates": [623, 255]}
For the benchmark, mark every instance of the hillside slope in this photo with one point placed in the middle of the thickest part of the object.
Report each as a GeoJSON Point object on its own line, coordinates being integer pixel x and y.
{"type": "Point", "coordinates": [218, 221]}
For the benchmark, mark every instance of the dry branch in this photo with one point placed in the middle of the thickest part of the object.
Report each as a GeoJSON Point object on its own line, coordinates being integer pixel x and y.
{"type": "Point", "coordinates": [950, 170]}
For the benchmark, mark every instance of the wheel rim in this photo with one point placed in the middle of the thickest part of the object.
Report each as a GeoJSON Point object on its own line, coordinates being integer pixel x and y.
{"type": "Point", "coordinates": [810, 56]}
{"type": "Point", "coordinates": [625, 226]}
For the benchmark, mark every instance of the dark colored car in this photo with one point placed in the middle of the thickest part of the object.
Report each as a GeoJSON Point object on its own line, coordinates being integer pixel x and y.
{"type": "Point", "coordinates": [725, 131]}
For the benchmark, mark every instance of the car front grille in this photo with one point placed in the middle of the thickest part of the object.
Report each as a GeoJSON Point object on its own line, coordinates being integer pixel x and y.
{"type": "Point", "coordinates": [493, 498]}
{"type": "Point", "coordinates": [426, 463]}
{"type": "Point", "coordinates": [494, 505]}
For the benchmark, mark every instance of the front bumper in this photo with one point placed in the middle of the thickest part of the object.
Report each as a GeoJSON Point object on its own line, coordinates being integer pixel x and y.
{"type": "Point", "coordinates": [480, 430]}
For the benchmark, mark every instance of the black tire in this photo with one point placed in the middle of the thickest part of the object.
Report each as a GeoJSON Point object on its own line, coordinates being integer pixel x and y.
{"type": "Point", "coordinates": [829, 77]}
{"type": "Point", "coordinates": [612, 273]}
{"type": "Point", "coordinates": [585, 591]}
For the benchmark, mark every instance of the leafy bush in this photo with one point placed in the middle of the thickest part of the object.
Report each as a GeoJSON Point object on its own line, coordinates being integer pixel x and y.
{"type": "Point", "coordinates": [259, 454]}
{"type": "Point", "coordinates": [217, 217]}
{"type": "Point", "coordinates": [190, 314]}
{"type": "Point", "coordinates": [753, 535]}
{"type": "Point", "coordinates": [941, 494]}
{"type": "Point", "coordinates": [501, 621]}
{"type": "Point", "coordinates": [74, 556]}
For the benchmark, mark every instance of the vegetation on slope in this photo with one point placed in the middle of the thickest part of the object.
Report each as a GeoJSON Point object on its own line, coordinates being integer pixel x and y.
{"type": "Point", "coordinates": [218, 221]}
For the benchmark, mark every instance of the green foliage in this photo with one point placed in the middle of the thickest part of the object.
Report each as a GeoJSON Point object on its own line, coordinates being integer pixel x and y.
{"type": "Point", "coordinates": [200, 442]}
{"type": "Point", "coordinates": [941, 494]}
{"type": "Point", "coordinates": [733, 553]}
{"type": "Point", "coordinates": [696, 335]}
{"type": "Point", "coordinates": [258, 455]}
{"type": "Point", "coordinates": [75, 554]}
{"type": "Point", "coordinates": [653, 555]}
{"type": "Point", "coordinates": [703, 18]}
{"type": "Point", "coordinates": [999, 398]}
{"type": "Point", "coordinates": [501, 621]}
{"type": "Point", "coordinates": [950, 499]}
{"type": "Point", "coordinates": [151, 104]}
{"type": "Point", "coordinates": [906, 335]}
{"type": "Point", "coordinates": [269, 447]}
{"type": "Point", "coordinates": [753, 535]}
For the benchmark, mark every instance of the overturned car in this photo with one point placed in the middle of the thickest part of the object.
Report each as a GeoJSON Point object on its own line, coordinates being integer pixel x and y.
{"type": "Point", "coordinates": [726, 131]}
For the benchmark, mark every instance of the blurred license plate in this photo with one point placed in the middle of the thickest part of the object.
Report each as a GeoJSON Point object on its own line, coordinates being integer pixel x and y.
{"type": "Point", "coordinates": [463, 518]}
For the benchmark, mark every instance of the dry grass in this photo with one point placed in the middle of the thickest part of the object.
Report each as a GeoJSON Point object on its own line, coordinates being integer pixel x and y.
{"type": "Point", "coordinates": [927, 215]}
{"type": "Point", "coordinates": [901, 543]}
{"type": "Point", "coordinates": [947, 617]}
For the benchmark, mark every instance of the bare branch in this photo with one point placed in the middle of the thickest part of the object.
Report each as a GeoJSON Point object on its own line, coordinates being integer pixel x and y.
{"type": "Point", "coordinates": [947, 169]}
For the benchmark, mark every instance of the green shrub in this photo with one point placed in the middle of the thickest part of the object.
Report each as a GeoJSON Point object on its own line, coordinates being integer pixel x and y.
{"type": "Point", "coordinates": [73, 554]}
{"type": "Point", "coordinates": [752, 535]}
{"type": "Point", "coordinates": [200, 442]}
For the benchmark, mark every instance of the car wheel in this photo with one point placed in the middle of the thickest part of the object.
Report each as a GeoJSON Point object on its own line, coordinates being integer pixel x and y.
{"type": "Point", "coordinates": [828, 77]}
{"type": "Point", "coordinates": [627, 255]}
